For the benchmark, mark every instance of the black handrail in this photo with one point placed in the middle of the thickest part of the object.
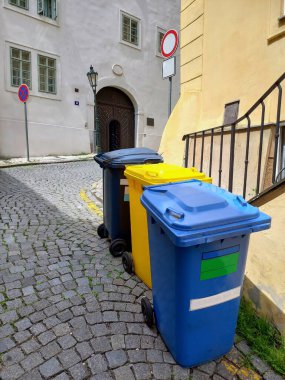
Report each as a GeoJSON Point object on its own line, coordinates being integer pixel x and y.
{"type": "Point", "coordinates": [233, 128]}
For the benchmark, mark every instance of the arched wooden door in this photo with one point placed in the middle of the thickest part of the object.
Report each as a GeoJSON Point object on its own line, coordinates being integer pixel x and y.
{"type": "Point", "coordinates": [116, 118]}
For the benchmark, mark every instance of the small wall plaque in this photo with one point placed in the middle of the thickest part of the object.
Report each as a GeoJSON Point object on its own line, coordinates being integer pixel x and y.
{"type": "Point", "coordinates": [150, 121]}
{"type": "Point", "coordinates": [117, 69]}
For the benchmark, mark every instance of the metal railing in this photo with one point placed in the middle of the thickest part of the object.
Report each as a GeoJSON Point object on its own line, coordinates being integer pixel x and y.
{"type": "Point", "coordinates": [232, 129]}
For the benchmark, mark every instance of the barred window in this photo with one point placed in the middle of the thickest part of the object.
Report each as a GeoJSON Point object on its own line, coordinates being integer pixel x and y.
{"type": "Point", "coordinates": [20, 3]}
{"type": "Point", "coordinates": [20, 67]}
{"type": "Point", "coordinates": [47, 8]}
{"type": "Point", "coordinates": [47, 74]}
{"type": "Point", "coordinates": [130, 29]}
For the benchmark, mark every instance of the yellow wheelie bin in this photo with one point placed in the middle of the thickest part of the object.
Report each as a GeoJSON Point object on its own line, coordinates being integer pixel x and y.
{"type": "Point", "coordinates": [139, 176]}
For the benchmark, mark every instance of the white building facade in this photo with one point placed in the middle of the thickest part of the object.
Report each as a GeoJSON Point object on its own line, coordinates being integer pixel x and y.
{"type": "Point", "coordinates": [50, 45]}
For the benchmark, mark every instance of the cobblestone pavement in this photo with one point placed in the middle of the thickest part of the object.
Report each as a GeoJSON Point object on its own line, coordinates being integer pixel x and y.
{"type": "Point", "coordinates": [67, 308]}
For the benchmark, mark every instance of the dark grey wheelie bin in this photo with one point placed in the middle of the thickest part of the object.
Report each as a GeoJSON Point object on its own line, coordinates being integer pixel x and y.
{"type": "Point", "coordinates": [116, 208]}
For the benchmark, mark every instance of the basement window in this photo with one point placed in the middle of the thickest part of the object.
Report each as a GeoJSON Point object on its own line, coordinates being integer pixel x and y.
{"type": "Point", "coordinates": [231, 112]}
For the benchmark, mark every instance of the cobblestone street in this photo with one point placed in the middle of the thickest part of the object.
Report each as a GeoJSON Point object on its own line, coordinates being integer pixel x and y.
{"type": "Point", "coordinates": [67, 308]}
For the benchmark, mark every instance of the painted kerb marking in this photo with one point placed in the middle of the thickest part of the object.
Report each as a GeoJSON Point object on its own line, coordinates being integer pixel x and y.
{"type": "Point", "coordinates": [90, 204]}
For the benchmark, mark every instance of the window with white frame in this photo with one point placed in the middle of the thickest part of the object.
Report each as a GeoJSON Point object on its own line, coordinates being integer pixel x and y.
{"type": "Point", "coordinates": [47, 8]}
{"type": "Point", "coordinates": [20, 67]}
{"type": "Point", "coordinates": [130, 29]}
{"type": "Point", "coordinates": [47, 74]}
{"type": "Point", "coordinates": [20, 3]}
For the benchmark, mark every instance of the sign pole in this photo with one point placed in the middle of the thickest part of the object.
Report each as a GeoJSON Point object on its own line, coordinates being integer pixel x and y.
{"type": "Point", "coordinates": [170, 93]}
{"type": "Point", "coordinates": [27, 132]}
{"type": "Point", "coordinates": [168, 47]}
{"type": "Point", "coordinates": [23, 95]}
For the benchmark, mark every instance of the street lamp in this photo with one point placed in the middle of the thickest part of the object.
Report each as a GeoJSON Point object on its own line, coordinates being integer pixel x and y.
{"type": "Point", "coordinates": [92, 77]}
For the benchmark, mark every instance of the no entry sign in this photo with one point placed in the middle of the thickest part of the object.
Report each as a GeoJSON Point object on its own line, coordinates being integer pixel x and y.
{"type": "Point", "coordinates": [23, 93]}
{"type": "Point", "coordinates": [169, 43]}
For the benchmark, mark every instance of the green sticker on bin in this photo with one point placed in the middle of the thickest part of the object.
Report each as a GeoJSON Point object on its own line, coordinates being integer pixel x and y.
{"type": "Point", "coordinates": [219, 266]}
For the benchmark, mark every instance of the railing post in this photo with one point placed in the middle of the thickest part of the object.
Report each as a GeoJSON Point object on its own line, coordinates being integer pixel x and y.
{"type": "Point", "coordinates": [260, 147]}
{"type": "Point", "coordinates": [202, 151]}
{"type": "Point", "coordinates": [246, 156]}
{"type": "Point", "coordinates": [232, 157]}
{"type": "Point", "coordinates": [194, 150]}
{"type": "Point", "coordinates": [211, 152]}
{"type": "Point", "coordinates": [186, 152]}
{"type": "Point", "coordinates": [221, 156]}
{"type": "Point", "coordinates": [277, 132]}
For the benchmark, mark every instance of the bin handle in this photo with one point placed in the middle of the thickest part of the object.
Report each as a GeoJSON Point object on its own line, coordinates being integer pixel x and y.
{"type": "Point", "coordinates": [151, 160]}
{"type": "Point", "coordinates": [175, 214]}
{"type": "Point", "coordinates": [152, 174]}
{"type": "Point", "coordinates": [241, 201]}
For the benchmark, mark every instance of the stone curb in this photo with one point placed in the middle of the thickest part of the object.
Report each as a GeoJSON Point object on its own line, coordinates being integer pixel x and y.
{"type": "Point", "coordinates": [57, 161]}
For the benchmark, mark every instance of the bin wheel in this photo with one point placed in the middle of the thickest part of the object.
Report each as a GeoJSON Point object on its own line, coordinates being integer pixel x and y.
{"type": "Point", "coordinates": [117, 247]}
{"type": "Point", "coordinates": [147, 311]}
{"type": "Point", "coordinates": [127, 261]}
{"type": "Point", "coordinates": [102, 231]}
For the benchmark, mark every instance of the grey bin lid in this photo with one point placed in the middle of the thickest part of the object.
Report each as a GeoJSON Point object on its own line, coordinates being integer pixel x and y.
{"type": "Point", "coordinates": [121, 157]}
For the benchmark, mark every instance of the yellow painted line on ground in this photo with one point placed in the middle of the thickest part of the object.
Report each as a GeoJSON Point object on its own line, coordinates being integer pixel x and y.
{"type": "Point", "coordinates": [90, 204]}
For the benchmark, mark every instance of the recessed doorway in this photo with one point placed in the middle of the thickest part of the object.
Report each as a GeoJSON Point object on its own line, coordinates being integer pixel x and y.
{"type": "Point", "coordinates": [117, 119]}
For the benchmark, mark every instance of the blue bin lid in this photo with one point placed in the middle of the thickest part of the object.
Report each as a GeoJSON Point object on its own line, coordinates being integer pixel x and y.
{"type": "Point", "coordinates": [121, 157]}
{"type": "Point", "coordinates": [195, 212]}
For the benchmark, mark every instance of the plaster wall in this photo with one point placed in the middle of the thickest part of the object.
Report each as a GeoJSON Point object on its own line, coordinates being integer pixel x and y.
{"type": "Point", "coordinates": [265, 281]}
{"type": "Point", "coordinates": [84, 33]}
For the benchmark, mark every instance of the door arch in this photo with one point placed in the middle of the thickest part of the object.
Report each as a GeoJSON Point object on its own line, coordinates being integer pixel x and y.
{"type": "Point", "coordinates": [116, 119]}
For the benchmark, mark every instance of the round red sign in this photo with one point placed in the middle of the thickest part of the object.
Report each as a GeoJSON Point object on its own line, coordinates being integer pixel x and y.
{"type": "Point", "coordinates": [169, 43]}
{"type": "Point", "coordinates": [23, 93]}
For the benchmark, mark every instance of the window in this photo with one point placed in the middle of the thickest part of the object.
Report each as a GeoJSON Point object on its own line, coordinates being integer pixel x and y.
{"type": "Point", "coordinates": [159, 39]}
{"type": "Point", "coordinates": [130, 29]}
{"type": "Point", "coordinates": [20, 3]}
{"type": "Point", "coordinates": [47, 8]}
{"type": "Point", "coordinates": [20, 67]}
{"type": "Point", "coordinates": [47, 74]}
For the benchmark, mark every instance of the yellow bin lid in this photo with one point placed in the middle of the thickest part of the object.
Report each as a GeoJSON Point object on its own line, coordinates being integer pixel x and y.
{"type": "Point", "coordinates": [163, 173]}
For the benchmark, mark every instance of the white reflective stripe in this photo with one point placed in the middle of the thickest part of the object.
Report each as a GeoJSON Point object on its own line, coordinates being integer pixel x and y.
{"type": "Point", "coordinates": [202, 303]}
{"type": "Point", "coordinates": [123, 182]}
{"type": "Point", "coordinates": [127, 190]}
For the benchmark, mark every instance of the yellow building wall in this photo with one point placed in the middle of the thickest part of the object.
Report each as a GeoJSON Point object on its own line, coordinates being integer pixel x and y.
{"type": "Point", "coordinates": [265, 280]}
{"type": "Point", "coordinates": [234, 50]}
{"type": "Point", "coordinates": [230, 50]}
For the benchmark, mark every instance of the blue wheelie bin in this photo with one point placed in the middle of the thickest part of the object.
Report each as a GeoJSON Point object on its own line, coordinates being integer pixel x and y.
{"type": "Point", "coordinates": [198, 237]}
{"type": "Point", "coordinates": [116, 209]}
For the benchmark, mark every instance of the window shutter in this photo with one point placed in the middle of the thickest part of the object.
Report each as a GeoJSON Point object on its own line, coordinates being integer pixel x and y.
{"type": "Point", "coordinates": [54, 10]}
{"type": "Point", "coordinates": [40, 7]}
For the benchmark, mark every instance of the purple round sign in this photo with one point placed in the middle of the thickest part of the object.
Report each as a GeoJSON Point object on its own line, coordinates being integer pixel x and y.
{"type": "Point", "coordinates": [23, 93]}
